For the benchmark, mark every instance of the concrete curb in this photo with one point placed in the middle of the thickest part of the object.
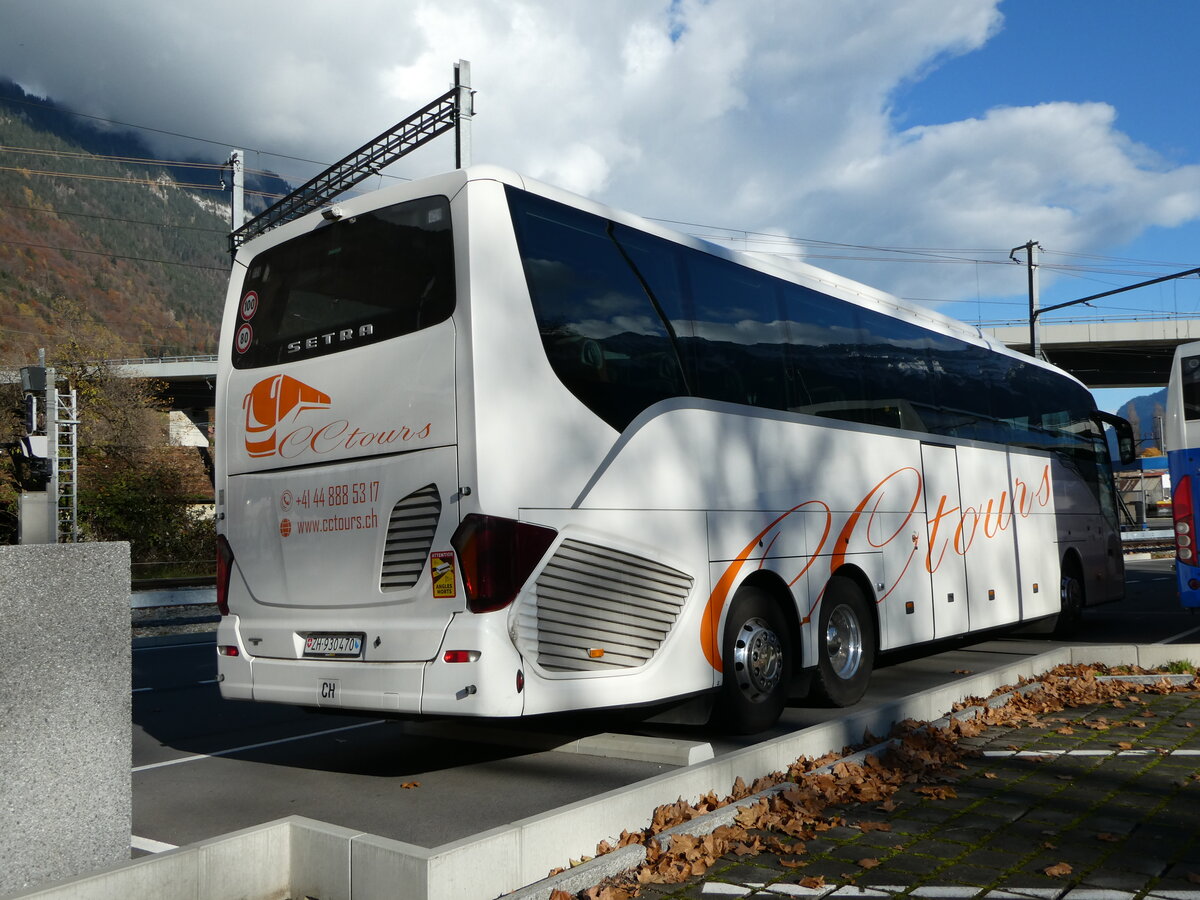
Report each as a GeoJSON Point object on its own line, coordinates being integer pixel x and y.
{"type": "Point", "coordinates": [301, 856]}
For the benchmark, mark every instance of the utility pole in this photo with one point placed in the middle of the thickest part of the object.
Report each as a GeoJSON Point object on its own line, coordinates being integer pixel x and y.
{"type": "Point", "coordinates": [464, 110]}
{"type": "Point", "coordinates": [237, 215]}
{"type": "Point", "coordinates": [1031, 248]}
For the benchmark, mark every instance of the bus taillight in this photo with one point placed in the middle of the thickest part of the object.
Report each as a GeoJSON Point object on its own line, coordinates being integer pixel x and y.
{"type": "Point", "coordinates": [497, 556]}
{"type": "Point", "coordinates": [1185, 521]}
{"type": "Point", "coordinates": [224, 570]}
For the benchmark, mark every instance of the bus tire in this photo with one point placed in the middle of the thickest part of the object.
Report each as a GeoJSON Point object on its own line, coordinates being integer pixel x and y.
{"type": "Point", "coordinates": [845, 645]}
{"type": "Point", "coordinates": [757, 660]}
{"type": "Point", "coordinates": [1071, 598]}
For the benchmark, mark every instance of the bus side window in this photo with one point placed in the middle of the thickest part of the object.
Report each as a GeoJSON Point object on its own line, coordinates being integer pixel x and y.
{"type": "Point", "coordinates": [739, 342]}
{"type": "Point", "coordinates": [601, 334]}
{"type": "Point", "coordinates": [823, 336]}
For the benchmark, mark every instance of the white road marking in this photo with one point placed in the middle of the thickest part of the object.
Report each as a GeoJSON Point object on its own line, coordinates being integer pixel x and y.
{"type": "Point", "coordinates": [232, 750]}
{"type": "Point", "coordinates": [173, 687]}
{"type": "Point", "coordinates": [1173, 638]}
{"type": "Point", "coordinates": [210, 645]}
{"type": "Point", "coordinates": [1036, 753]}
{"type": "Point", "coordinates": [150, 846]}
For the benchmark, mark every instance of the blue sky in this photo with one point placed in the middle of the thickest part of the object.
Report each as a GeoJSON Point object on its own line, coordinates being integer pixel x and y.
{"type": "Point", "coordinates": [906, 143]}
{"type": "Point", "coordinates": [1138, 57]}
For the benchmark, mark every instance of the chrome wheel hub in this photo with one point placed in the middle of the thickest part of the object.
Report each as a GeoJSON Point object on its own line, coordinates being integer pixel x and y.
{"type": "Point", "coordinates": [757, 659]}
{"type": "Point", "coordinates": [844, 642]}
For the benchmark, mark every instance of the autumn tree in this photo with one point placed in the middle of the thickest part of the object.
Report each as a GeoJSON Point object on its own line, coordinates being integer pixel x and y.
{"type": "Point", "coordinates": [132, 486]}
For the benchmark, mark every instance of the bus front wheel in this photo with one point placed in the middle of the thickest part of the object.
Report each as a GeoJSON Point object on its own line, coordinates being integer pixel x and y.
{"type": "Point", "coordinates": [845, 645]}
{"type": "Point", "coordinates": [757, 663]}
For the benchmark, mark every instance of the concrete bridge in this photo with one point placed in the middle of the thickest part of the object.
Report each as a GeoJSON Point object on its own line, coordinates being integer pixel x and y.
{"type": "Point", "coordinates": [1104, 354]}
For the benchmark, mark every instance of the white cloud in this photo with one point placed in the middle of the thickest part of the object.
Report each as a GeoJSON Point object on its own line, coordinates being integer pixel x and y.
{"type": "Point", "coordinates": [772, 115]}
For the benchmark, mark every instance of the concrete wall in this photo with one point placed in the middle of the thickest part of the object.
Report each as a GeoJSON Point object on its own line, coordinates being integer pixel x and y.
{"type": "Point", "coordinates": [65, 745]}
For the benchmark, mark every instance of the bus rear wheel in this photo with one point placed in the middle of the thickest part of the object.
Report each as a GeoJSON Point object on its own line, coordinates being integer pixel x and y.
{"type": "Point", "coordinates": [757, 661]}
{"type": "Point", "coordinates": [845, 645]}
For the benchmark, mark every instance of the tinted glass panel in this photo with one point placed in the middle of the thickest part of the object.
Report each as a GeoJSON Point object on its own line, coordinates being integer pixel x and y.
{"type": "Point", "coordinates": [1189, 371]}
{"type": "Point", "coordinates": [628, 319]}
{"type": "Point", "coordinates": [737, 340]}
{"type": "Point", "coordinates": [601, 333]}
{"type": "Point", "coordinates": [349, 283]}
{"type": "Point", "coordinates": [726, 319]}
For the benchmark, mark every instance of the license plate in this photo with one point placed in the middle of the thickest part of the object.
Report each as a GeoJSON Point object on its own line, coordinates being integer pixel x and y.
{"type": "Point", "coordinates": [333, 646]}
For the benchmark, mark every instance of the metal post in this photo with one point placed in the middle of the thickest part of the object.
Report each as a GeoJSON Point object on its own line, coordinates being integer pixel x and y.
{"type": "Point", "coordinates": [464, 110]}
{"type": "Point", "coordinates": [52, 450]}
{"type": "Point", "coordinates": [69, 421]}
{"type": "Point", "coordinates": [237, 214]}
{"type": "Point", "coordinates": [1031, 249]}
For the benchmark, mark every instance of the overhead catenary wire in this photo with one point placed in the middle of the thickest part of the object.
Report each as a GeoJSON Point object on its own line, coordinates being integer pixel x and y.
{"type": "Point", "coordinates": [929, 255]}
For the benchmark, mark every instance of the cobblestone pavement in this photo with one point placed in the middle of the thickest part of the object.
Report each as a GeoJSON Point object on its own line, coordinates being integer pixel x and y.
{"type": "Point", "coordinates": [1098, 803]}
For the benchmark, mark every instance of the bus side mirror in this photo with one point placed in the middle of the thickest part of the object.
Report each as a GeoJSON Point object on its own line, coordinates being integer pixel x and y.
{"type": "Point", "coordinates": [1126, 448]}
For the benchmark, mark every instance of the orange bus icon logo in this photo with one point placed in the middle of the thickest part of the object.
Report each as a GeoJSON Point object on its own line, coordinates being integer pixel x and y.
{"type": "Point", "coordinates": [272, 402]}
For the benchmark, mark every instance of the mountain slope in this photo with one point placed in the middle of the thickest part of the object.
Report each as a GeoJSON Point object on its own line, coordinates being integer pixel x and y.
{"type": "Point", "coordinates": [140, 268]}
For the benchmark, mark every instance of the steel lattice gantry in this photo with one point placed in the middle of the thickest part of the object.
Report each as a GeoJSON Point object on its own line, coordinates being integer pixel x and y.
{"type": "Point", "coordinates": [446, 112]}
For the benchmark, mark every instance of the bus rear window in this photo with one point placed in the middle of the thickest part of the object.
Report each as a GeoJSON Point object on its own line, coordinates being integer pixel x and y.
{"type": "Point", "coordinates": [346, 284]}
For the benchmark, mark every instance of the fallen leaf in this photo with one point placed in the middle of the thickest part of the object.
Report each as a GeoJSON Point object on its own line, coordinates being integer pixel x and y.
{"type": "Point", "coordinates": [813, 881]}
{"type": "Point", "coordinates": [792, 863]}
{"type": "Point", "coordinates": [963, 672]}
{"type": "Point", "coordinates": [1193, 878]}
{"type": "Point", "coordinates": [873, 826]}
{"type": "Point", "coordinates": [868, 863]}
{"type": "Point", "coordinates": [1066, 729]}
{"type": "Point", "coordinates": [409, 785]}
{"type": "Point", "coordinates": [989, 775]}
{"type": "Point", "coordinates": [1123, 745]}
{"type": "Point", "coordinates": [1058, 870]}
{"type": "Point", "coordinates": [937, 792]}
{"type": "Point", "coordinates": [1109, 837]}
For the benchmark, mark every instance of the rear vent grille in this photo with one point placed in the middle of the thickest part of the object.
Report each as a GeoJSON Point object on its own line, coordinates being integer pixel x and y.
{"type": "Point", "coordinates": [409, 537]}
{"type": "Point", "coordinates": [591, 598]}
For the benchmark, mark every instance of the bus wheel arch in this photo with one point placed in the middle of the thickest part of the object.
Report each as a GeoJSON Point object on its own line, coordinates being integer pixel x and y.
{"type": "Point", "coordinates": [759, 645]}
{"type": "Point", "coordinates": [1072, 591]}
{"type": "Point", "coordinates": [847, 639]}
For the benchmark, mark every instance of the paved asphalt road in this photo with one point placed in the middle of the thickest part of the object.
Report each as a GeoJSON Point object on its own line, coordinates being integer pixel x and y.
{"type": "Point", "coordinates": [204, 766]}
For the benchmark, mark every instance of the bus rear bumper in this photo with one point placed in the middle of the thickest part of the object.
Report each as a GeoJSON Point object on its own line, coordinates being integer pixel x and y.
{"type": "Point", "coordinates": [435, 687]}
{"type": "Point", "coordinates": [1188, 580]}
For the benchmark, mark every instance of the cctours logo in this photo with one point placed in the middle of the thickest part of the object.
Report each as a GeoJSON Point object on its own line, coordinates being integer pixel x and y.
{"type": "Point", "coordinates": [280, 421]}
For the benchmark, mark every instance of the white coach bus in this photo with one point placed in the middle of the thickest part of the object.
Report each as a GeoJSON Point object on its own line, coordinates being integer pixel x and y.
{"type": "Point", "coordinates": [486, 448]}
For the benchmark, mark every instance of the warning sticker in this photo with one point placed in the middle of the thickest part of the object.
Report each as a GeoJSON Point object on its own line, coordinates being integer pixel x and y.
{"type": "Point", "coordinates": [441, 566]}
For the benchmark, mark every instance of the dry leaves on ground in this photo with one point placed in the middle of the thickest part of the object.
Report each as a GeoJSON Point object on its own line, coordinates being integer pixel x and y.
{"type": "Point", "coordinates": [923, 756]}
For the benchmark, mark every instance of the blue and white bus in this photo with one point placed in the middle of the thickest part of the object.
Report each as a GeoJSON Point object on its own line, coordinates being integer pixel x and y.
{"type": "Point", "coordinates": [1183, 458]}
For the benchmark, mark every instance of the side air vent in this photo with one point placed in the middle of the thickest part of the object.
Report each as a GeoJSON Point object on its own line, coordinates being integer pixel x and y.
{"type": "Point", "coordinates": [599, 609]}
{"type": "Point", "coordinates": [409, 537]}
